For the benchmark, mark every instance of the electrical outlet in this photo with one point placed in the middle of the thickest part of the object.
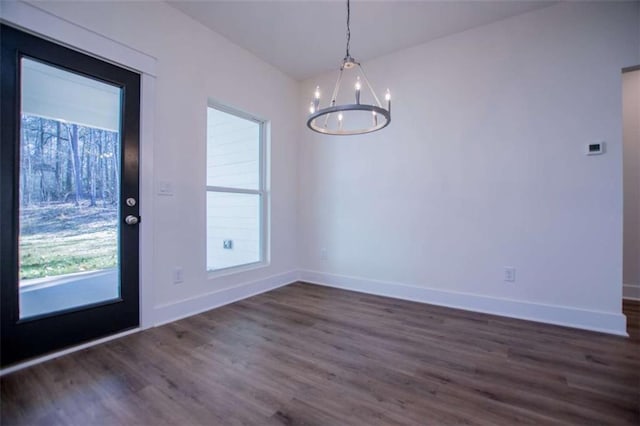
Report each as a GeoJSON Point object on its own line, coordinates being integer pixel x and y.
{"type": "Point", "coordinates": [596, 148]}
{"type": "Point", "coordinates": [178, 275]}
{"type": "Point", "coordinates": [509, 274]}
{"type": "Point", "coordinates": [323, 253]}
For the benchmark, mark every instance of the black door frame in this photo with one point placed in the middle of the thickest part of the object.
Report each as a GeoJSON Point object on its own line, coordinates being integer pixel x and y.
{"type": "Point", "coordinates": [23, 339]}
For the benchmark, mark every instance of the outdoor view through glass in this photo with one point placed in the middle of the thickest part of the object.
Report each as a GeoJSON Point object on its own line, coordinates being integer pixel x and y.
{"type": "Point", "coordinates": [69, 190]}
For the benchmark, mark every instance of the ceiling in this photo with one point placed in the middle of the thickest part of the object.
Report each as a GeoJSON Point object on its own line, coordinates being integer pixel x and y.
{"type": "Point", "coordinates": [304, 38]}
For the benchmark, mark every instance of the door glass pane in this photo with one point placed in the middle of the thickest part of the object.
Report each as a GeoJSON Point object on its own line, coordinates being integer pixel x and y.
{"type": "Point", "coordinates": [233, 229]}
{"type": "Point", "coordinates": [69, 190]}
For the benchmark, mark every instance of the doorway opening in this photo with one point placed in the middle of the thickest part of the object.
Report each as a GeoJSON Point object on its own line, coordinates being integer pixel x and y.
{"type": "Point", "coordinates": [631, 182]}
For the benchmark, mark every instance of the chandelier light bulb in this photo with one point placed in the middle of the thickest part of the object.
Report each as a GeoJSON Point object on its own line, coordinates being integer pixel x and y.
{"type": "Point", "coordinates": [387, 96]}
{"type": "Point", "coordinates": [340, 117]}
{"type": "Point", "coordinates": [358, 85]}
{"type": "Point", "coordinates": [312, 108]}
{"type": "Point", "coordinates": [315, 105]}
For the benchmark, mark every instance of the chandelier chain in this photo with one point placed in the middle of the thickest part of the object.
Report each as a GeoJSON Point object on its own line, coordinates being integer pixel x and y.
{"type": "Point", "coordinates": [348, 27]}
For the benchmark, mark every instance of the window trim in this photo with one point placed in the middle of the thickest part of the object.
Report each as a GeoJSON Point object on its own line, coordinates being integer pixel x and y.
{"type": "Point", "coordinates": [262, 193]}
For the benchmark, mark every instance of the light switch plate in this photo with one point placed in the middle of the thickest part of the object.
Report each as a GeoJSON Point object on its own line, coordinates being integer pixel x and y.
{"type": "Point", "coordinates": [165, 187]}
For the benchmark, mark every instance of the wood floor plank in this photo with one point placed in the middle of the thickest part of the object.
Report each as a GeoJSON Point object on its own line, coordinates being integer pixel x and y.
{"type": "Point", "coordinates": [311, 355]}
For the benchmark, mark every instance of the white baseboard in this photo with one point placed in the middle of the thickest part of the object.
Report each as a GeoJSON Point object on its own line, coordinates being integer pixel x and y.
{"type": "Point", "coordinates": [559, 315]}
{"type": "Point", "coordinates": [185, 308]}
{"type": "Point", "coordinates": [631, 291]}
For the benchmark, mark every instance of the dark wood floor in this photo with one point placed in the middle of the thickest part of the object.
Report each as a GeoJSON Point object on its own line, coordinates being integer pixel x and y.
{"type": "Point", "coordinates": [306, 354]}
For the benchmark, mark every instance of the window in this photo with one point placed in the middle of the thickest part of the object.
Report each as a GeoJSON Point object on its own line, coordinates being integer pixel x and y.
{"type": "Point", "coordinates": [236, 196]}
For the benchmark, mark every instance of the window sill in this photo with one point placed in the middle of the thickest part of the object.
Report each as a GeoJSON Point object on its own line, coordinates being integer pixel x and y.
{"type": "Point", "coordinates": [232, 270]}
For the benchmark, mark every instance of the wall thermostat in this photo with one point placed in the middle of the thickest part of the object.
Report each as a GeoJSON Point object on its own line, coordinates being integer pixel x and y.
{"type": "Point", "coordinates": [595, 148]}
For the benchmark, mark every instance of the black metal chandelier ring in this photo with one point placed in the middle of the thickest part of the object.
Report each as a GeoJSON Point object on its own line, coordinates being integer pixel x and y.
{"type": "Point", "coordinates": [324, 112]}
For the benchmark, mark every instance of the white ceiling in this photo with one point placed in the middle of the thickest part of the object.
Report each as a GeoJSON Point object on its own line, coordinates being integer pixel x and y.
{"type": "Point", "coordinates": [304, 38]}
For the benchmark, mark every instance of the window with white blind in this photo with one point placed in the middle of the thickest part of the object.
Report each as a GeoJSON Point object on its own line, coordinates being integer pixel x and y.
{"type": "Point", "coordinates": [236, 197]}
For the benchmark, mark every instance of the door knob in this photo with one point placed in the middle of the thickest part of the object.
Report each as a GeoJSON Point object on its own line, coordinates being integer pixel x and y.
{"type": "Point", "coordinates": [131, 220]}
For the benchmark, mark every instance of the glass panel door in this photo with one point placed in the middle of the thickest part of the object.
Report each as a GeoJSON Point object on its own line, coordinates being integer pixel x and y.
{"type": "Point", "coordinates": [69, 190]}
{"type": "Point", "coordinates": [69, 161]}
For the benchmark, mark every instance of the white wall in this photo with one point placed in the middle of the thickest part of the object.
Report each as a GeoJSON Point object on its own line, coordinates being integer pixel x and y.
{"type": "Point", "coordinates": [194, 65]}
{"type": "Point", "coordinates": [482, 167]}
{"type": "Point", "coordinates": [631, 158]}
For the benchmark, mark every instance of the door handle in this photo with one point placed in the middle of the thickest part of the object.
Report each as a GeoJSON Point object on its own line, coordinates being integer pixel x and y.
{"type": "Point", "coordinates": [132, 220]}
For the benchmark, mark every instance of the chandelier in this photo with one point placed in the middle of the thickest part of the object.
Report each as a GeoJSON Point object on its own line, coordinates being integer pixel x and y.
{"type": "Point", "coordinates": [349, 118]}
